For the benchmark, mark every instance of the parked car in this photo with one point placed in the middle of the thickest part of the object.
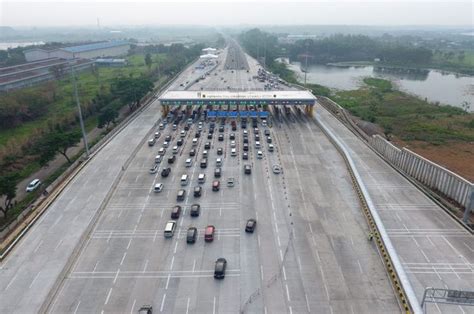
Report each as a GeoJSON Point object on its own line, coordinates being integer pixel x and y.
{"type": "Point", "coordinates": [33, 185]}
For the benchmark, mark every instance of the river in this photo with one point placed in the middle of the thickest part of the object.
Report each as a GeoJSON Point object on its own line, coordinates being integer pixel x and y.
{"type": "Point", "coordinates": [433, 85]}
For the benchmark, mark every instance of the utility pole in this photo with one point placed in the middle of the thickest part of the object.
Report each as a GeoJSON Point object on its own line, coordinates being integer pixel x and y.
{"type": "Point", "coordinates": [306, 64]}
{"type": "Point", "coordinates": [86, 145]}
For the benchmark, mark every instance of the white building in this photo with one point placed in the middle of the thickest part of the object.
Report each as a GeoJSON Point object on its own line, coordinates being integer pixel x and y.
{"type": "Point", "coordinates": [89, 51]}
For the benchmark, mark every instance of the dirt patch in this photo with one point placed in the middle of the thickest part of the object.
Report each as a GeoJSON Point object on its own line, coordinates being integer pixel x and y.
{"type": "Point", "coordinates": [457, 157]}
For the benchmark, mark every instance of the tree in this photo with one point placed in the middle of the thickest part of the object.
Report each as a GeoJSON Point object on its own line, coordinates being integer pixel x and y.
{"type": "Point", "coordinates": [106, 117]}
{"type": "Point", "coordinates": [148, 60]}
{"type": "Point", "coordinates": [57, 142]}
{"type": "Point", "coordinates": [8, 190]}
{"type": "Point", "coordinates": [131, 90]}
{"type": "Point", "coordinates": [58, 71]}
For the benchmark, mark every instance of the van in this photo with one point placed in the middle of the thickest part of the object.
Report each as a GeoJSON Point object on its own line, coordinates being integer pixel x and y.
{"type": "Point", "coordinates": [219, 162]}
{"type": "Point", "coordinates": [195, 141]}
{"type": "Point", "coordinates": [151, 141]}
{"type": "Point", "coordinates": [180, 196]}
{"type": "Point", "coordinates": [209, 233]}
{"type": "Point", "coordinates": [184, 180]}
{"type": "Point", "coordinates": [191, 235]}
{"type": "Point", "coordinates": [189, 162]}
{"type": "Point", "coordinates": [201, 178]}
{"type": "Point", "coordinates": [204, 163]}
{"type": "Point", "coordinates": [158, 159]}
{"type": "Point", "coordinates": [175, 150]}
{"type": "Point", "coordinates": [170, 228]}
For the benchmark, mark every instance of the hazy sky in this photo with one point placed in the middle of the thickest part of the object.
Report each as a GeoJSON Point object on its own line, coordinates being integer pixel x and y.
{"type": "Point", "coordinates": [222, 12]}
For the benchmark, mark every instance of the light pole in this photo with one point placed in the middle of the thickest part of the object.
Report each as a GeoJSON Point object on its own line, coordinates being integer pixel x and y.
{"type": "Point", "coordinates": [86, 145]}
{"type": "Point", "coordinates": [306, 64]}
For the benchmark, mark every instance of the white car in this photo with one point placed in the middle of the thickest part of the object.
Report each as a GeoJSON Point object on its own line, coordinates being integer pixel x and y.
{"type": "Point", "coordinates": [232, 144]}
{"type": "Point", "coordinates": [154, 169]}
{"type": "Point", "coordinates": [276, 169]}
{"type": "Point", "coordinates": [230, 182]}
{"type": "Point", "coordinates": [259, 154]}
{"type": "Point", "coordinates": [33, 185]}
{"type": "Point", "coordinates": [233, 152]}
{"type": "Point", "coordinates": [158, 187]}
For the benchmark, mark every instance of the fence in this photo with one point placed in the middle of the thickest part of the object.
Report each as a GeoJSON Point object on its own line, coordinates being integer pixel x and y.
{"type": "Point", "coordinates": [430, 174]}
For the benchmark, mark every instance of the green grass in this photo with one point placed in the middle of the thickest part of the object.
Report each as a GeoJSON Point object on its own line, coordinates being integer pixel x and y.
{"type": "Point", "coordinates": [383, 85]}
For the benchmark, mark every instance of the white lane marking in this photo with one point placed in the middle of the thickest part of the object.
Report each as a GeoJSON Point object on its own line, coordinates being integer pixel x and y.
{"type": "Point", "coordinates": [194, 265]}
{"type": "Point", "coordinates": [426, 257]}
{"type": "Point", "coordinates": [144, 268]}
{"type": "Point", "coordinates": [284, 272]}
{"type": "Point", "coordinates": [281, 255]}
{"type": "Point", "coordinates": [36, 249]}
{"type": "Point", "coordinates": [34, 279]}
{"type": "Point", "coordinates": [307, 303]}
{"type": "Point", "coordinates": [176, 245]}
{"type": "Point", "coordinates": [116, 275]}
{"type": "Point", "coordinates": [168, 281]}
{"type": "Point", "coordinates": [172, 262]}
{"type": "Point", "coordinates": [429, 240]}
{"type": "Point", "coordinates": [59, 243]}
{"type": "Point", "coordinates": [77, 307]}
{"type": "Point", "coordinates": [214, 306]}
{"type": "Point", "coordinates": [133, 306]}
{"type": "Point", "coordinates": [258, 240]}
{"type": "Point", "coordinates": [129, 242]}
{"type": "Point", "coordinates": [123, 258]}
{"type": "Point", "coordinates": [290, 309]}
{"type": "Point", "coordinates": [10, 283]}
{"type": "Point", "coordinates": [110, 235]}
{"type": "Point", "coordinates": [287, 293]}
{"type": "Point", "coordinates": [265, 309]}
{"type": "Point", "coordinates": [108, 296]}
{"type": "Point", "coordinates": [95, 266]}
{"type": "Point", "coordinates": [324, 282]}
{"type": "Point", "coordinates": [278, 239]}
{"type": "Point", "coordinates": [310, 228]}
{"type": "Point", "coordinates": [261, 272]}
{"type": "Point", "coordinates": [187, 306]}
{"type": "Point", "coordinates": [360, 267]}
{"type": "Point", "coordinates": [470, 249]}
{"type": "Point", "coordinates": [163, 302]}
{"type": "Point", "coordinates": [156, 233]}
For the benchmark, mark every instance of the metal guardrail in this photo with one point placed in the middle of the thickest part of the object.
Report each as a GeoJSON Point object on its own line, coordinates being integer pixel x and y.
{"type": "Point", "coordinates": [404, 291]}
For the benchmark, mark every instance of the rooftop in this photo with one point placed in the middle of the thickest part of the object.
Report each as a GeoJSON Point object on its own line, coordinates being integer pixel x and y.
{"type": "Point", "coordinates": [95, 46]}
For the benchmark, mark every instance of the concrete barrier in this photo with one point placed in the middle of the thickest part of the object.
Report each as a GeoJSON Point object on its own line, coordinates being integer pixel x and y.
{"type": "Point", "coordinates": [432, 175]}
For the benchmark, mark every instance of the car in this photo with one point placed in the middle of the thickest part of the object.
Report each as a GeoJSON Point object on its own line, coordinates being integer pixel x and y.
{"type": "Point", "coordinates": [221, 129]}
{"type": "Point", "coordinates": [189, 162]}
{"type": "Point", "coordinates": [271, 148]}
{"type": "Point", "coordinates": [195, 210]}
{"type": "Point", "coordinates": [170, 227]}
{"type": "Point", "coordinates": [157, 134]}
{"type": "Point", "coordinates": [151, 141]}
{"type": "Point", "coordinates": [165, 172]}
{"type": "Point", "coordinates": [230, 182]}
{"type": "Point", "coordinates": [182, 133]}
{"type": "Point", "coordinates": [171, 159]}
{"type": "Point", "coordinates": [209, 136]}
{"type": "Point", "coordinates": [168, 138]}
{"type": "Point", "coordinates": [175, 150]}
{"type": "Point", "coordinates": [192, 152]}
{"type": "Point", "coordinates": [161, 126]}
{"type": "Point", "coordinates": [221, 138]}
{"type": "Point", "coordinates": [219, 268]}
{"type": "Point", "coordinates": [197, 135]}
{"type": "Point", "coordinates": [233, 152]}
{"type": "Point", "coordinates": [209, 233]}
{"type": "Point", "coordinates": [181, 194]}
{"type": "Point", "coordinates": [269, 139]}
{"type": "Point", "coordinates": [259, 154]}
{"type": "Point", "coordinates": [247, 169]}
{"type": "Point", "coordinates": [153, 169]}
{"type": "Point", "coordinates": [246, 139]}
{"type": "Point", "coordinates": [201, 178]}
{"type": "Point", "coordinates": [216, 185]}
{"type": "Point", "coordinates": [250, 225]}
{"type": "Point", "coordinates": [232, 144]}
{"type": "Point", "coordinates": [220, 151]}
{"type": "Point", "coordinates": [180, 142]}
{"type": "Point", "coordinates": [145, 309]}
{"type": "Point", "coordinates": [158, 187]}
{"type": "Point", "coordinates": [33, 185]}
{"type": "Point", "coordinates": [205, 153]}
{"type": "Point", "coordinates": [267, 132]}
{"type": "Point", "coordinates": [257, 137]}
{"type": "Point", "coordinates": [162, 151]}
{"type": "Point", "coordinates": [158, 159]}
{"type": "Point", "coordinates": [175, 127]}
{"type": "Point", "coordinates": [175, 212]}
{"type": "Point", "coordinates": [203, 164]}
{"type": "Point", "coordinates": [197, 191]}
{"type": "Point", "coordinates": [232, 136]}
{"type": "Point", "coordinates": [191, 235]}
{"type": "Point", "coordinates": [245, 132]}
{"type": "Point", "coordinates": [276, 169]}
{"type": "Point", "coordinates": [245, 156]}
{"type": "Point", "coordinates": [246, 147]}
{"type": "Point", "coordinates": [207, 145]}
{"type": "Point", "coordinates": [217, 172]}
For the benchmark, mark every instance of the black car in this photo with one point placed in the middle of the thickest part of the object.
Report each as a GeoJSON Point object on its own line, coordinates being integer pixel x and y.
{"type": "Point", "coordinates": [207, 145]}
{"type": "Point", "coordinates": [168, 138]}
{"type": "Point", "coordinates": [146, 309]}
{"type": "Point", "coordinates": [267, 132]}
{"type": "Point", "coordinates": [221, 129]}
{"type": "Point", "coordinates": [197, 191]}
{"type": "Point", "coordinates": [197, 135]}
{"type": "Point", "coordinates": [175, 212]}
{"type": "Point", "coordinates": [165, 172]}
{"type": "Point", "coordinates": [195, 210]}
{"type": "Point", "coordinates": [191, 235]}
{"type": "Point", "coordinates": [232, 136]}
{"type": "Point", "coordinates": [192, 152]}
{"type": "Point", "coordinates": [234, 127]}
{"type": "Point", "coordinates": [247, 169]}
{"type": "Point", "coordinates": [180, 142]}
{"type": "Point", "coordinates": [209, 136]}
{"type": "Point", "coordinates": [171, 159]}
{"type": "Point", "coordinates": [245, 156]}
{"type": "Point", "coordinates": [221, 137]}
{"type": "Point", "coordinates": [217, 172]}
{"type": "Point", "coordinates": [220, 151]}
{"type": "Point", "coordinates": [257, 137]}
{"type": "Point", "coordinates": [246, 139]}
{"type": "Point", "coordinates": [246, 147]}
{"type": "Point", "coordinates": [186, 127]}
{"type": "Point", "coordinates": [219, 268]}
{"type": "Point", "coordinates": [250, 225]}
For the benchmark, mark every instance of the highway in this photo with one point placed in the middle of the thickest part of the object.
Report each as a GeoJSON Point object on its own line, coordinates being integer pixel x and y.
{"type": "Point", "coordinates": [308, 254]}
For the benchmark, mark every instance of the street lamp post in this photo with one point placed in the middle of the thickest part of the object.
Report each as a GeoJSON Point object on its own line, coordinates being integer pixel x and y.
{"type": "Point", "coordinates": [86, 145]}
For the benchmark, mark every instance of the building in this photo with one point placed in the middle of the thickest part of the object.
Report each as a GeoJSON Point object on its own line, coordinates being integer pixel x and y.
{"type": "Point", "coordinates": [209, 50]}
{"type": "Point", "coordinates": [88, 51]}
